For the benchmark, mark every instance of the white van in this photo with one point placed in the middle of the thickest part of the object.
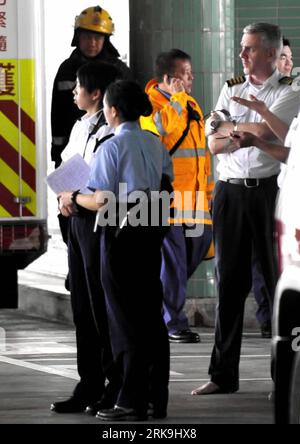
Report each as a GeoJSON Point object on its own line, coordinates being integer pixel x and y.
{"type": "Point", "coordinates": [286, 318]}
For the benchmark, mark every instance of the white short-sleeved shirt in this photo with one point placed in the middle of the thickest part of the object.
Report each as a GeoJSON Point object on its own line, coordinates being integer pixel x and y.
{"type": "Point", "coordinates": [281, 100]}
{"type": "Point", "coordinates": [80, 142]}
{"type": "Point", "coordinates": [133, 157]}
{"type": "Point", "coordinates": [292, 141]}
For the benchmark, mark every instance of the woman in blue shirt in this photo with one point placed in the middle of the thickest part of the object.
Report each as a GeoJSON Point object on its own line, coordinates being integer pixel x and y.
{"type": "Point", "coordinates": [132, 161]}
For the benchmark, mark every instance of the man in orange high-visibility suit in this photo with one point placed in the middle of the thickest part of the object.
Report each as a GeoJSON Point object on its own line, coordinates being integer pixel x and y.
{"type": "Point", "coordinates": [178, 120]}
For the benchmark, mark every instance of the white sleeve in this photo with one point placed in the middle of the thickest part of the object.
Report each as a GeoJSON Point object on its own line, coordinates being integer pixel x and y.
{"type": "Point", "coordinates": [286, 106]}
{"type": "Point", "coordinates": [224, 99]}
{"type": "Point", "coordinates": [71, 148]}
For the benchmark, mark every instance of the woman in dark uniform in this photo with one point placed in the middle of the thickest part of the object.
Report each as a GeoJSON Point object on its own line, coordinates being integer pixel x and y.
{"type": "Point", "coordinates": [134, 160]}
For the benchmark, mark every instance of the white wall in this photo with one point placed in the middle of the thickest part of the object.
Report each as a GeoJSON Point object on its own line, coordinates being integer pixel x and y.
{"type": "Point", "coordinates": [59, 28]}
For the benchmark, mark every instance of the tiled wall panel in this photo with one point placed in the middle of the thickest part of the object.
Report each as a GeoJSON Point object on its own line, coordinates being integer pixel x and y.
{"type": "Point", "coordinates": [202, 28]}
{"type": "Point", "coordinates": [285, 13]}
{"type": "Point", "coordinates": [205, 30]}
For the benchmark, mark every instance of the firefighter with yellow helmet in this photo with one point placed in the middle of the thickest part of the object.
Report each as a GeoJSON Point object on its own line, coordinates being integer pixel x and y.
{"type": "Point", "coordinates": [95, 19]}
{"type": "Point", "coordinates": [92, 31]}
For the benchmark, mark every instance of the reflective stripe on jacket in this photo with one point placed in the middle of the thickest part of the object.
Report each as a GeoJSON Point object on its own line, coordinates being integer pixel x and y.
{"type": "Point", "coordinates": [191, 162]}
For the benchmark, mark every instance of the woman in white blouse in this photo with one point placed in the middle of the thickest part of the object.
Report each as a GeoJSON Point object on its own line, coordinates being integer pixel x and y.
{"type": "Point", "coordinates": [94, 358]}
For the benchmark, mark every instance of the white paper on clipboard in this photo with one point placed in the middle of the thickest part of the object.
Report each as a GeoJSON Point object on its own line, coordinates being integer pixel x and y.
{"type": "Point", "coordinates": [72, 175]}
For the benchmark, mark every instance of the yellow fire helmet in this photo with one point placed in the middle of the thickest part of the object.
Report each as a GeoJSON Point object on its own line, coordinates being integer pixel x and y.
{"type": "Point", "coordinates": [95, 19]}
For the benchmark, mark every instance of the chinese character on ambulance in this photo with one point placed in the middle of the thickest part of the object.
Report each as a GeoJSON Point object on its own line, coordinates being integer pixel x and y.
{"type": "Point", "coordinates": [3, 43]}
{"type": "Point", "coordinates": [2, 19]}
{"type": "Point", "coordinates": [7, 85]}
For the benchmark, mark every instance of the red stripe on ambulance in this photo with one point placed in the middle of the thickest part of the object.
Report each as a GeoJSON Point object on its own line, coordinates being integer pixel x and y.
{"type": "Point", "coordinates": [8, 203]}
{"type": "Point", "coordinates": [11, 110]}
{"type": "Point", "coordinates": [11, 158]}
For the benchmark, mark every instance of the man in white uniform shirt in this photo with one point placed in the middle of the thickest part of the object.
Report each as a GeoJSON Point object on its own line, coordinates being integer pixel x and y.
{"type": "Point", "coordinates": [244, 201]}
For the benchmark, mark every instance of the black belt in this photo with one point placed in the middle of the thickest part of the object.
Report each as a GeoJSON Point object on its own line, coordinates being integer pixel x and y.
{"type": "Point", "coordinates": [249, 183]}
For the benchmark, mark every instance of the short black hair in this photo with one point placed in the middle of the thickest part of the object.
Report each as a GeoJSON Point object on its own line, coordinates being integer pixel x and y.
{"type": "Point", "coordinates": [286, 42]}
{"type": "Point", "coordinates": [129, 99]}
{"type": "Point", "coordinates": [97, 75]}
{"type": "Point", "coordinates": [166, 62]}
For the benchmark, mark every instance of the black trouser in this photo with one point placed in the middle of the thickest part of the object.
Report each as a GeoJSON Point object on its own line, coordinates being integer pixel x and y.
{"type": "Point", "coordinates": [263, 314]}
{"type": "Point", "coordinates": [64, 227]}
{"type": "Point", "coordinates": [243, 223]}
{"type": "Point", "coordinates": [133, 291]}
{"type": "Point", "coordinates": [94, 357]}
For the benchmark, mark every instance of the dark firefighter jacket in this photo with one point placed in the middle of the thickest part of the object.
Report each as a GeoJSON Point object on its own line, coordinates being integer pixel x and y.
{"type": "Point", "coordinates": [64, 112]}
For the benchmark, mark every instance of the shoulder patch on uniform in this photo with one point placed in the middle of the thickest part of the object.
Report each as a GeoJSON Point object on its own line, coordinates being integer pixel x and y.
{"type": "Point", "coordinates": [236, 81]}
{"type": "Point", "coordinates": [286, 80]}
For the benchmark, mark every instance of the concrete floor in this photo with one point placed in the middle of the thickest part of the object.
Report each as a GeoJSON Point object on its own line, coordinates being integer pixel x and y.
{"type": "Point", "coordinates": [38, 366]}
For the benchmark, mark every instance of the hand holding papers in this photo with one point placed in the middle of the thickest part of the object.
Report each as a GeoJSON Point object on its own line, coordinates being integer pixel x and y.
{"type": "Point", "coordinates": [72, 175]}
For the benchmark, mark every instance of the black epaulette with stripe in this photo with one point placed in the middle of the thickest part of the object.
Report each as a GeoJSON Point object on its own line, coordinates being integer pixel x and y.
{"type": "Point", "coordinates": [236, 81]}
{"type": "Point", "coordinates": [286, 80]}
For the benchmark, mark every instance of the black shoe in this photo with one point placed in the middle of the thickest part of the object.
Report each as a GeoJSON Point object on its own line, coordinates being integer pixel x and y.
{"type": "Point", "coordinates": [72, 405]}
{"type": "Point", "coordinates": [184, 337]}
{"type": "Point", "coordinates": [107, 400]}
{"type": "Point", "coordinates": [121, 414]}
{"type": "Point", "coordinates": [93, 409]}
{"type": "Point", "coordinates": [266, 330]}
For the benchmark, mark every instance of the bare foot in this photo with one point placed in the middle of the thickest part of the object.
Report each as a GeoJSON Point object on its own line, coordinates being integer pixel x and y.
{"type": "Point", "coordinates": [209, 388]}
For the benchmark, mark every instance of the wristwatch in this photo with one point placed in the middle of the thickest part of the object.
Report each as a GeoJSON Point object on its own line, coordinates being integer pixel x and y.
{"type": "Point", "coordinates": [73, 198]}
{"type": "Point", "coordinates": [215, 124]}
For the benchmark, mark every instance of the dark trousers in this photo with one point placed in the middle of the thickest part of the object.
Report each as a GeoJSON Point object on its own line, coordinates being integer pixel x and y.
{"type": "Point", "coordinates": [243, 221]}
{"type": "Point", "coordinates": [64, 227]}
{"type": "Point", "coordinates": [181, 255]}
{"type": "Point", "coordinates": [94, 356]}
{"type": "Point", "coordinates": [133, 292]}
{"type": "Point", "coordinates": [263, 313]}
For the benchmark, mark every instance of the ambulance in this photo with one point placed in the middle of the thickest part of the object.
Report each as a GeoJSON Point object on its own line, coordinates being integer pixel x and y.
{"type": "Point", "coordinates": [23, 150]}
